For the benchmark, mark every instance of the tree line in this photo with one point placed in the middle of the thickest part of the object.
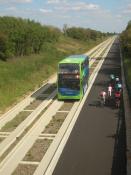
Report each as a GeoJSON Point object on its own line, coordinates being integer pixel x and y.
{"type": "Point", "coordinates": [20, 37]}
{"type": "Point", "coordinates": [126, 39]}
{"type": "Point", "coordinates": [84, 34]}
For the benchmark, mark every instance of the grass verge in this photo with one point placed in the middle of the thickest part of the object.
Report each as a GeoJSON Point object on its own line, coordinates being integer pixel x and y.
{"type": "Point", "coordinates": [127, 69]}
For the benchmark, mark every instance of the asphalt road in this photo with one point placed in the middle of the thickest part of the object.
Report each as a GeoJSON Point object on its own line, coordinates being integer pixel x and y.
{"type": "Point", "coordinates": [97, 143]}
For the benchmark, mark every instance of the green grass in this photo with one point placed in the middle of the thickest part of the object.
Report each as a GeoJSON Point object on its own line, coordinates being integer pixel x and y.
{"type": "Point", "coordinates": [73, 46]}
{"type": "Point", "coordinates": [20, 76]}
{"type": "Point", "coordinates": [11, 125]}
{"type": "Point", "coordinates": [127, 65]}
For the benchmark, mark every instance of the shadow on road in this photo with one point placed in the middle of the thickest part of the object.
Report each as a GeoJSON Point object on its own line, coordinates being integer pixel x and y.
{"type": "Point", "coordinates": [119, 156]}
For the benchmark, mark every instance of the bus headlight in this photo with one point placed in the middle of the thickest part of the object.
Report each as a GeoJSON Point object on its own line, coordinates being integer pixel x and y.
{"type": "Point", "coordinates": [77, 76]}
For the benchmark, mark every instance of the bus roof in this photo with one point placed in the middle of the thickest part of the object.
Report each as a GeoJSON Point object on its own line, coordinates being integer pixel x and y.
{"type": "Point", "coordinates": [74, 59]}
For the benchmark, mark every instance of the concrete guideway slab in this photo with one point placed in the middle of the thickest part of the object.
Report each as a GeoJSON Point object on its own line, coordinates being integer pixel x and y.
{"type": "Point", "coordinates": [29, 163]}
{"type": "Point", "coordinates": [90, 52]}
{"type": "Point", "coordinates": [8, 165]}
{"type": "Point", "coordinates": [20, 129]}
{"type": "Point", "coordinates": [97, 55]}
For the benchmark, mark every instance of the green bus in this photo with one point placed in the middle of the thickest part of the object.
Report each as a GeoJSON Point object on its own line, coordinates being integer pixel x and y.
{"type": "Point", "coordinates": [72, 79]}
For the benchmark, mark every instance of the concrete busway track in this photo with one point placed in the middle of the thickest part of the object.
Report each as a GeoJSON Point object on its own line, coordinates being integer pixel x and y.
{"type": "Point", "coordinates": [14, 157]}
{"type": "Point", "coordinates": [7, 142]}
{"type": "Point", "coordinates": [20, 106]}
{"type": "Point", "coordinates": [96, 145]}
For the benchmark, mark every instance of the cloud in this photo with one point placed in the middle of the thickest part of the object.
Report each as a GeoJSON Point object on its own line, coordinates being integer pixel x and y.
{"type": "Point", "coordinates": [118, 16]}
{"type": "Point", "coordinates": [15, 1]}
{"type": "Point", "coordinates": [53, 1]}
{"type": "Point", "coordinates": [12, 8]}
{"type": "Point", "coordinates": [78, 6]}
{"type": "Point", "coordinates": [127, 10]}
{"type": "Point", "coordinates": [45, 10]}
{"type": "Point", "coordinates": [22, 1]}
{"type": "Point", "coordinates": [85, 6]}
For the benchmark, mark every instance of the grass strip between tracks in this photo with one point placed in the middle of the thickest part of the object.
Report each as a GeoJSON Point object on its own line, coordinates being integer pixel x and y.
{"type": "Point", "coordinates": [23, 134]}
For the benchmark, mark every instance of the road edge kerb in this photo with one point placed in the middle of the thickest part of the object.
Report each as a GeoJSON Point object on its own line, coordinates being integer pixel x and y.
{"type": "Point", "coordinates": [127, 111]}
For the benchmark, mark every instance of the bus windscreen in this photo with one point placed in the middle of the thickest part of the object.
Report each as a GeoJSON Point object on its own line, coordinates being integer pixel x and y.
{"type": "Point", "coordinates": [69, 68]}
{"type": "Point", "coordinates": [69, 84]}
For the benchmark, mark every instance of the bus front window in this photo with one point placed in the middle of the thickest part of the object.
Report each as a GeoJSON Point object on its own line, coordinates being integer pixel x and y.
{"type": "Point", "coordinates": [72, 84]}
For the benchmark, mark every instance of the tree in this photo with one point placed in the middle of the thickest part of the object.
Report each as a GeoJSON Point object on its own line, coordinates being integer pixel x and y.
{"type": "Point", "coordinates": [65, 27]}
{"type": "Point", "coordinates": [23, 37]}
{"type": "Point", "coordinates": [3, 46]}
{"type": "Point", "coordinates": [126, 39]}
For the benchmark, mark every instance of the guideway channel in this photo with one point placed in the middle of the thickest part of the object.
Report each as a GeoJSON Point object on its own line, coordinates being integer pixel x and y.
{"type": "Point", "coordinates": [97, 145]}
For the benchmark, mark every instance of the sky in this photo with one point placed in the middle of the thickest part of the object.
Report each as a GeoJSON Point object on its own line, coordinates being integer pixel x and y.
{"type": "Point", "coordinates": [102, 15]}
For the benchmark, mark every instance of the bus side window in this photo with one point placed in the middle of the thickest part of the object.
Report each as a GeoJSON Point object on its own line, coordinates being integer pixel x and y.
{"type": "Point", "coordinates": [82, 66]}
{"type": "Point", "coordinates": [85, 63]}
